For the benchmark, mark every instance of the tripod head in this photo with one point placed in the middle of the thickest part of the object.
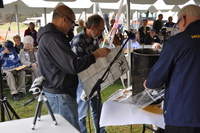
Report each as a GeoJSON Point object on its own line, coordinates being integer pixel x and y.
{"type": "Point", "coordinates": [36, 87]}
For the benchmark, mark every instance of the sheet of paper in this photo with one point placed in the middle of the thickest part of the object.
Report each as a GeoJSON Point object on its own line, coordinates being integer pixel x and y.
{"type": "Point", "coordinates": [91, 75]}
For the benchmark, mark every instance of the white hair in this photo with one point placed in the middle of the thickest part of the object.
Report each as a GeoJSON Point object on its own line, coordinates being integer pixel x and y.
{"type": "Point", "coordinates": [190, 10]}
{"type": "Point", "coordinates": [28, 40]}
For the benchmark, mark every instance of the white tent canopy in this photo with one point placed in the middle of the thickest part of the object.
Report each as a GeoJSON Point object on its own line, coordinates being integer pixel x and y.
{"type": "Point", "coordinates": [9, 7]}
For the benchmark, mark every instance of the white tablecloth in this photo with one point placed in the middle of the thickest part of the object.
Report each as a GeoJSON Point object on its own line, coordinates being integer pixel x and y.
{"type": "Point", "coordinates": [45, 125]}
{"type": "Point", "coordinates": [114, 113]}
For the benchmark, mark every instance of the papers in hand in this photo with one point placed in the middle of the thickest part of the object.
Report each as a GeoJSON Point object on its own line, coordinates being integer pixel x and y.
{"type": "Point", "coordinates": [146, 97]}
{"type": "Point", "coordinates": [91, 75]}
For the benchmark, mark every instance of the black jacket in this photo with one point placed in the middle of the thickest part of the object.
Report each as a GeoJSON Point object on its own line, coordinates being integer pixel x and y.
{"type": "Point", "coordinates": [157, 25]}
{"type": "Point", "coordinates": [149, 40]}
{"type": "Point", "coordinates": [58, 63]}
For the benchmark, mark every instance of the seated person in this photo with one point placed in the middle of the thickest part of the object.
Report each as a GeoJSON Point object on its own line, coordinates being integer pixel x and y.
{"type": "Point", "coordinates": [18, 44]}
{"type": "Point", "coordinates": [116, 42]}
{"type": "Point", "coordinates": [1, 41]}
{"type": "Point", "coordinates": [9, 61]}
{"type": "Point", "coordinates": [134, 44]}
{"type": "Point", "coordinates": [151, 38]}
{"type": "Point", "coordinates": [81, 26]}
{"type": "Point", "coordinates": [105, 42]}
{"type": "Point", "coordinates": [164, 35]}
{"type": "Point", "coordinates": [118, 39]}
{"type": "Point", "coordinates": [160, 35]}
{"type": "Point", "coordinates": [28, 57]}
{"type": "Point", "coordinates": [112, 21]}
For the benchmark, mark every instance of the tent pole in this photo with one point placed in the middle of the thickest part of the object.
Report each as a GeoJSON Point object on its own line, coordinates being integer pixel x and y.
{"type": "Point", "coordinates": [17, 18]}
{"type": "Point", "coordinates": [45, 16]}
{"type": "Point", "coordinates": [85, 15]}
{"type": "Point", "coordinates": [128, 28]}
{"type": "Point", "coordinates": [95, 8]}
{"type": "Point", "coordinates": [80, 16]}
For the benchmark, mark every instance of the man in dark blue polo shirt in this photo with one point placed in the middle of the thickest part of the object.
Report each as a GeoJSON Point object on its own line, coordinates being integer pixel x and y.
{"type": "Point", "coordinates": [179, 69]}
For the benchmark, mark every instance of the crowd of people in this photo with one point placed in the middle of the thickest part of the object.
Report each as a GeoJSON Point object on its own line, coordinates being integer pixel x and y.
{"type": "Point", "coordinates": [60, 56]}
{"type": "Point", "coordinates": [17, 54]}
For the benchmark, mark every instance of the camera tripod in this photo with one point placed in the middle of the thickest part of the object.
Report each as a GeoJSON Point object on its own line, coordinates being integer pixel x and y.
{"type": "Point", "coordinates": [41, 97]}
{"type": "Point", "coordinates": [5, 106]}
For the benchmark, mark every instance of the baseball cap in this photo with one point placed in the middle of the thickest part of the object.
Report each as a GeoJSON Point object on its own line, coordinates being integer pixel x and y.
{"type": "Point", "coordinates": [9, 45]}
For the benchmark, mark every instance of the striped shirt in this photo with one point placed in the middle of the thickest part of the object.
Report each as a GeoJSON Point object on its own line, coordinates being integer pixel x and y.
{"type": "Point", "coordinates": [9, 60]}
{"type": "Point", "coordinates": [82, 45]}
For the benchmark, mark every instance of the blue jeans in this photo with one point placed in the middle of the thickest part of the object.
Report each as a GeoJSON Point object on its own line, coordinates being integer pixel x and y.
{"type": "Point", "coordinates": [83, 109]}
{"type": "Point", "coordinates": [66, 106]}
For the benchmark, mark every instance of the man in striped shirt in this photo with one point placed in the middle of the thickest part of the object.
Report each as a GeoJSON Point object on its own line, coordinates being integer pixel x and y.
{"type": "Point", "coordinates": [85, 43]}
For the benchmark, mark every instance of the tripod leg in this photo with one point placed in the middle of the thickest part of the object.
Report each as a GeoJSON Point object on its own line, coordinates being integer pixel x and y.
{"type": "Point", "coordinates": [5, 107]}
{"type": "Point", "coordinates": [6, 110]}
{"type": "Point", "coordinates": [2, 112]}
{"type": "Point", "coordinates": [12, 110]}
{"type": "Point", "coordinates": [49, 109]}
{"type": "Point", "coordinates": [98, 108]}
{"type": "Point", "coordinates": [39, 105]}
{"type": "Point", "coordinates": [39, 112]}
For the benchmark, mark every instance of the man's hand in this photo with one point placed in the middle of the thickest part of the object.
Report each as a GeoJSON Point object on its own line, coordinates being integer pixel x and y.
{"type": "Point", "coordinates": [157, 46]}
{"type": "Point", "coordinates": [102, 52]}
{"type": "Point", "coordinates": [34, 64]}
{"type": "Point", "coordinates": [144, 84]}
{"type": "Point", "coordinates": [6, 51]}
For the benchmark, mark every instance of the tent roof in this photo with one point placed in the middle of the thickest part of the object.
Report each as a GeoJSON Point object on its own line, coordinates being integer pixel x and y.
{"type": "Point", "coordinates": [22, 8]}
{"type": "Point", "coordinates": [78, 6]}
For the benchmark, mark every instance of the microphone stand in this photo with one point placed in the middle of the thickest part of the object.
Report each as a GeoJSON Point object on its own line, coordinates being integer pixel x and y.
{"type": "Point", "coordinates": [97, 86]}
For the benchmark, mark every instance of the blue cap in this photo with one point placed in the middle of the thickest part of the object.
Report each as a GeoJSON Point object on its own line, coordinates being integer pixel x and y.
{"type": "Point", "coordinates": [9, 45]}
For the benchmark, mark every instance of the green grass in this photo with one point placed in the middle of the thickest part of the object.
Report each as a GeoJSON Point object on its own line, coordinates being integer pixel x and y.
{"type": "Point", "coordinates": [29, 110]}
{"type": "Point", "coordinates": [13, 25]}
{"type": "Point", "coordinates": [8, 33]}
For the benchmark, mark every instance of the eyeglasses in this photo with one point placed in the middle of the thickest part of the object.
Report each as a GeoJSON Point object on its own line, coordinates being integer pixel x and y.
{"type": "Point", "coordinates": [100, 30]}
{"type": "Point", "coordinates": [176, 25]}
{"type": "Point", "coordinates": [73, 23]}
{"type": "Point", "coordinates": [176, 28]}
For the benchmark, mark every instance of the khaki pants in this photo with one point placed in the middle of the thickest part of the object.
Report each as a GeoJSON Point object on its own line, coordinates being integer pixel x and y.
{"type": "Point", "coordinates": [10, 78]}
{"type": "Point", "coordinates": [33, 71]}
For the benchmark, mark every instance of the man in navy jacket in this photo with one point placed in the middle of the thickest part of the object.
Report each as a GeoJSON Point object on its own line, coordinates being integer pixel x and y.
{"type": "Point", "coordinates": [179, 69]}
